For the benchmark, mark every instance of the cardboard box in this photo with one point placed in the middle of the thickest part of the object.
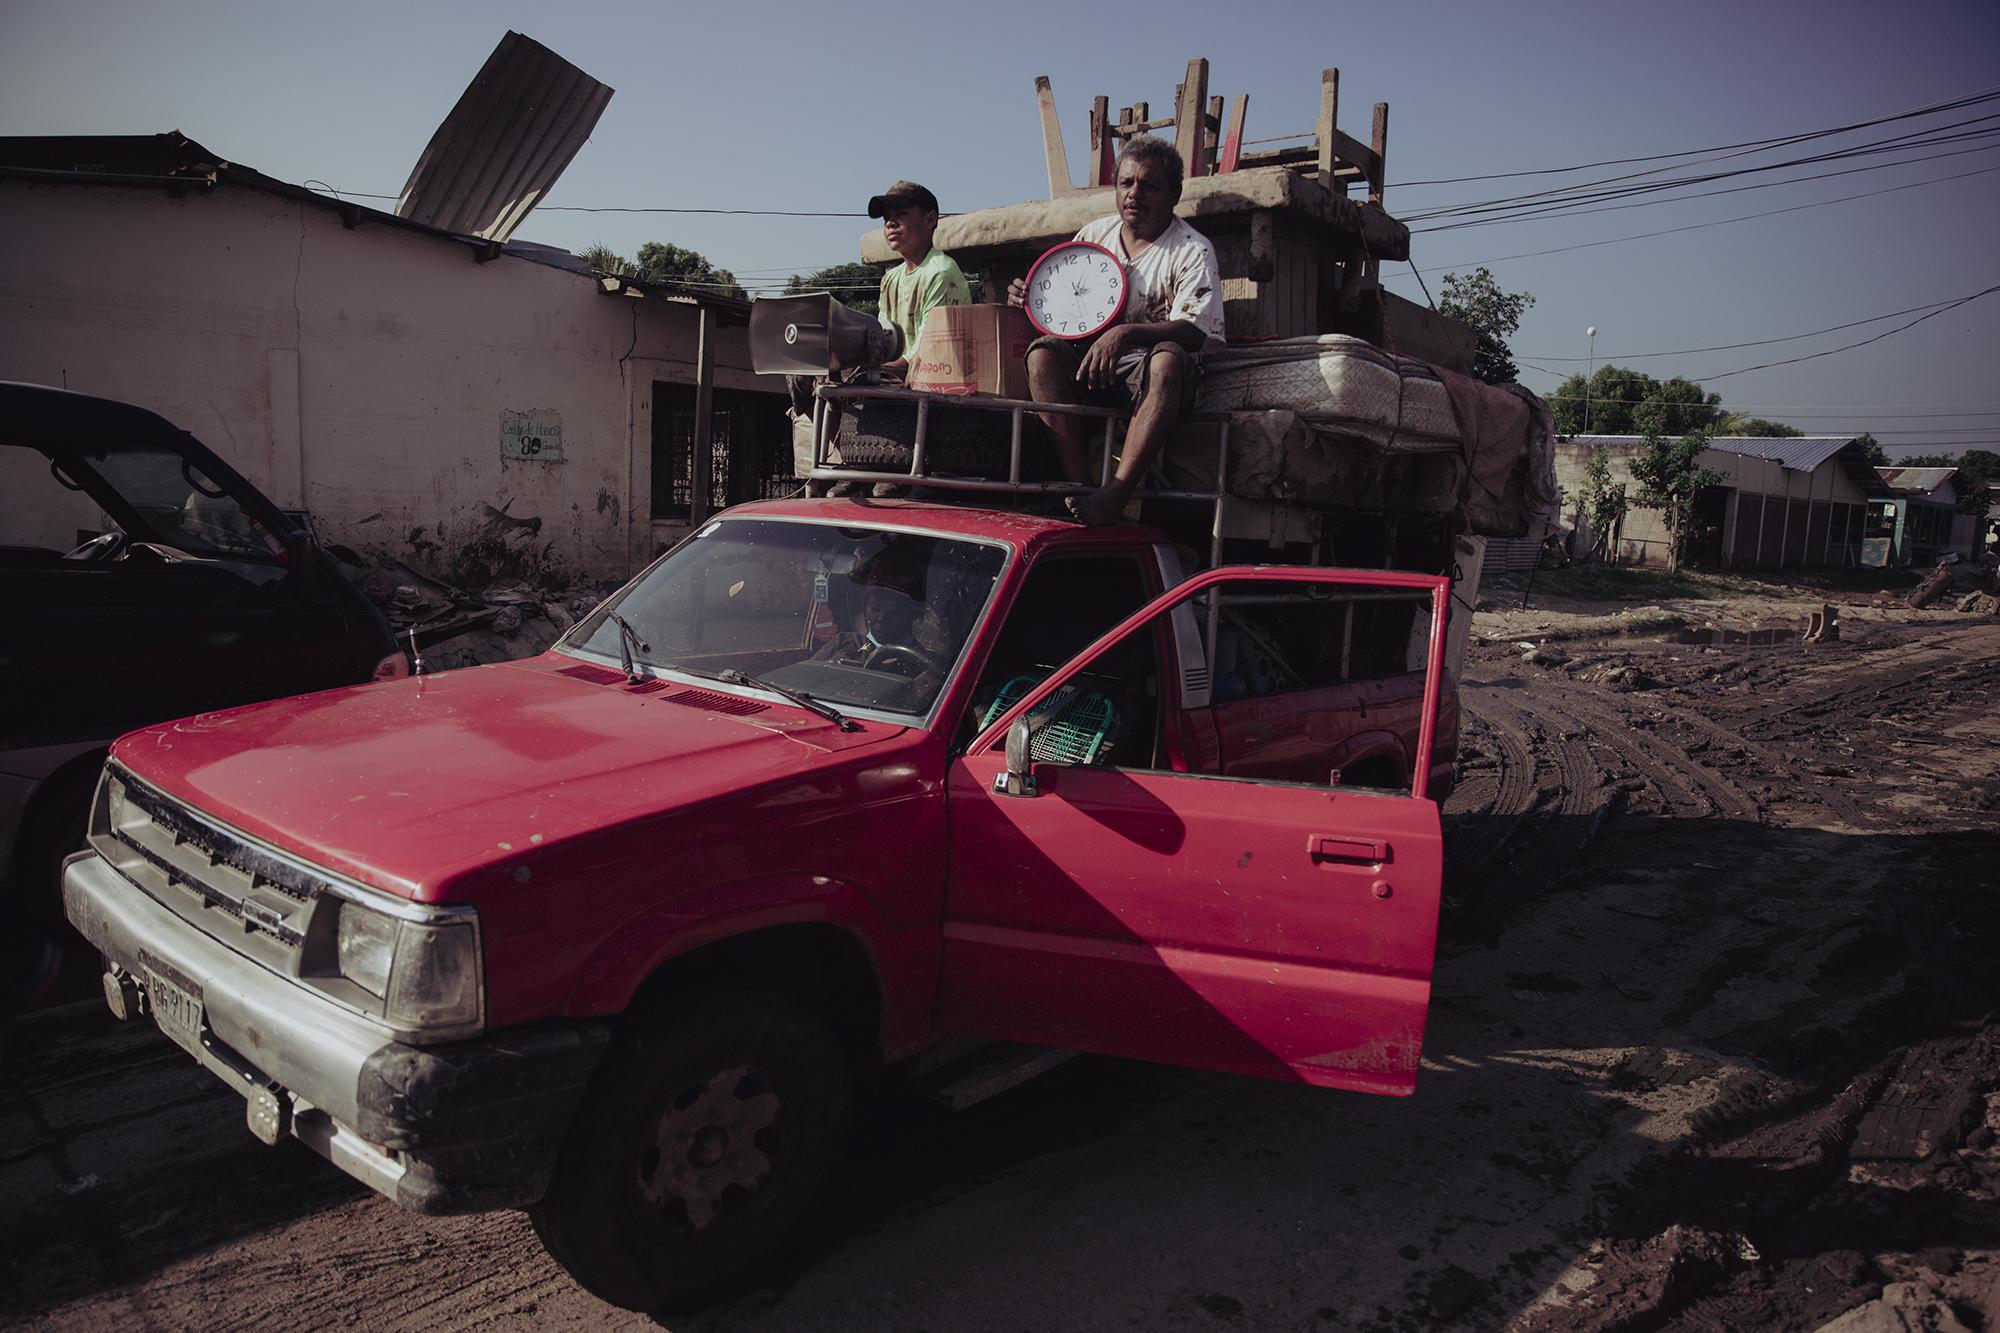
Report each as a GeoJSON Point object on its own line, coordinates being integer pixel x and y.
{"type": "Point", "coordinates": [973, 349]}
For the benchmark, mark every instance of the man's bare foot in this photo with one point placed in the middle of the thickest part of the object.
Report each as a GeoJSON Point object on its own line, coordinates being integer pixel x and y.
{"type": "Point", "coordinates": [1100, 508]}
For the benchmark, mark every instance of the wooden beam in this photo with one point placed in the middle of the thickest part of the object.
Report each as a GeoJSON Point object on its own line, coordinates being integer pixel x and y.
{"type": "Point", "coordinates": [1351, 152]}
{"type": "Point", "coordinates": [1329, 105]}
{"type": "Point", "coordinates": [1189, 134]}
{"type": "Point", "coordinates": [1379, 142]}
{"type": "Point", "coordinates": [1232, 136]}
{"type": "Point", "coordinates": [1213, 127]}
{"type": "Point", "coordinates": [1060, 181]}
{"type": "Point", "coordinates": [1103, 142]}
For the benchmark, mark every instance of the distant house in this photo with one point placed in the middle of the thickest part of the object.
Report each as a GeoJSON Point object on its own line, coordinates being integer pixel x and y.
{"type": "Point", "coordinates": [475, 408]}
{"type": "Point", "coordinates": [1783, 502]}
{"type": "Point", "coordinates": [1923, 516]}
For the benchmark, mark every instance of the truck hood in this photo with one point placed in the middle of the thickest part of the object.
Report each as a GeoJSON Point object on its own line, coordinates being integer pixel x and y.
{"type": "Point", "coordinates": [406, 784]}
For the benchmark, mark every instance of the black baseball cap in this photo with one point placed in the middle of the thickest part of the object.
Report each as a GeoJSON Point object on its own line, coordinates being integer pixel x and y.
{"type": "Point", "coordinates": [901, 195]}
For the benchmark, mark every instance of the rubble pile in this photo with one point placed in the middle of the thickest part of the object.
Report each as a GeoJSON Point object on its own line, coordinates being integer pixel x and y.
{"type": "Point", "coordinates": [499, 621]}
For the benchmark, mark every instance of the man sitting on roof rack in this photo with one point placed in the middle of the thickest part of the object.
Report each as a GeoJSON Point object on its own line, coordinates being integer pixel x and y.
{"type": "Point", "coordinates": [1146, 362]}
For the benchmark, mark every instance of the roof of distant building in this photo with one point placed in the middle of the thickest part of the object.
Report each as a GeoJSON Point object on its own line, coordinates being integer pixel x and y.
{"type": "Point", "coordinates": [1916, 480]}
{"type": "Point", "coordinates": [1801, 453]}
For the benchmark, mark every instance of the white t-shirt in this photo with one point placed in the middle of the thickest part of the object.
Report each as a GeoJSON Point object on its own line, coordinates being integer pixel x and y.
{"type": "Point", "coordinates": [1176, 277]}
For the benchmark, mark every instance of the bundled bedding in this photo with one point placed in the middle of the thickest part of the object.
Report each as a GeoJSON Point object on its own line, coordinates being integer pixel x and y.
{"type": "Point", "coordinates": [1335, 421]}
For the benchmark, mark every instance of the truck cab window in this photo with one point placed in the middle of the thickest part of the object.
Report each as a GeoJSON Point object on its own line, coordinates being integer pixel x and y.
{"type": "Point", "coordinates": [1065, 605]}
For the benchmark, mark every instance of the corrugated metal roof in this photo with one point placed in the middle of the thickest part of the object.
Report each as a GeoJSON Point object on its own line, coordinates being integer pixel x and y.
{"type": "Point", "coordinates": [517, 125]}
{"type": "Point", "coordinates": [1916, 480]}
{"type": "Point", "coordinates": [1800, 453]}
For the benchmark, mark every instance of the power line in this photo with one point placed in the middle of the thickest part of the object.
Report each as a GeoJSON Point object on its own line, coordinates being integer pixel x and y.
{"type": "Point", "coordinates": [1969, 99]}
{"type": "Point", "coordinates": [1834, 351]}
{"type": "Point", "coordinates": [1761, 342]}
{"type": "Point", "coordinates": [1563, 210]}
{"type": "Point", "coordinates": [1617, 186]}
{"type": "Point", "coordinates": [1721, 222]}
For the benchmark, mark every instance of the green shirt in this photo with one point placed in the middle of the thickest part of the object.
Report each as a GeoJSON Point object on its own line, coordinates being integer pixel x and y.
{"type": "Point", "coordinates": [908, 294]}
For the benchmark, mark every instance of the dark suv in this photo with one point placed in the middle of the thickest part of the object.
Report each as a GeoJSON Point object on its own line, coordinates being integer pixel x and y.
{"type": "Point", "coordinates": [141, 578]}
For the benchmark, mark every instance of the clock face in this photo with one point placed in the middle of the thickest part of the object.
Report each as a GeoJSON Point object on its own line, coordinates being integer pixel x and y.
{"type": "Point", "coordinates": [1076, 289]}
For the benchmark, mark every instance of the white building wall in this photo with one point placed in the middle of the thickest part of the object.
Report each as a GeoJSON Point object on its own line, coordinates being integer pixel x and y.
{"type": "Point", "coordinates": [1642, 537]}
{"type": "Point", "coordinates": [363, 373]}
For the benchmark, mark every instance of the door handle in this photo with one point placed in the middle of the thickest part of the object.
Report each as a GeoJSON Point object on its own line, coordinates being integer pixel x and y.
{"type": "Point", "coordinates": [1354, 851]}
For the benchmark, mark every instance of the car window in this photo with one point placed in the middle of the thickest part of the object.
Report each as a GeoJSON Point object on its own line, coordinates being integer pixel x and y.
{"type": "Point", "coordinates": [1067, 603]}
{"type": "Point", "coordinates": [185, 508]}
{"type": "Point", "coordinates": [40, 515]}
{"type": "Point", "coordinates": [856, 616]}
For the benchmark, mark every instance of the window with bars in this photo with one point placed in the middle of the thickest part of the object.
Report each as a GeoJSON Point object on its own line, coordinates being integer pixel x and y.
{"type": "Point", "coordinates": [750, 450]}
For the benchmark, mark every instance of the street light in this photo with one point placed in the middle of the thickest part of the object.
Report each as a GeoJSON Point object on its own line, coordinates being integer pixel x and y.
{"type": "Point", "coordinates": [1589, 366]}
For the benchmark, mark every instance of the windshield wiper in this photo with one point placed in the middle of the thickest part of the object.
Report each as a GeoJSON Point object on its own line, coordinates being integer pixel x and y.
{"type": "Point", "coordinates": [627, 637]}
{"type": "Point", "coordinates": [805, 701]}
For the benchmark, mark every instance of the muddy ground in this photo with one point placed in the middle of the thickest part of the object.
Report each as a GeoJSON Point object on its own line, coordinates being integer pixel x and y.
{"type": "Point", "coordinates": [1709, 1048]}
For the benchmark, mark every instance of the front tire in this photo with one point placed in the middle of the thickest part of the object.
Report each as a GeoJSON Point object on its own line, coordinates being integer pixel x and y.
{"type": "Point", "coordinates": [704, 1152]}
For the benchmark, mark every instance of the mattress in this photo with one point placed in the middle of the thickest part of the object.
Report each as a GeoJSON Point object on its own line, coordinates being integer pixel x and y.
{"type": "Point", "coordinates": [1336, 386]}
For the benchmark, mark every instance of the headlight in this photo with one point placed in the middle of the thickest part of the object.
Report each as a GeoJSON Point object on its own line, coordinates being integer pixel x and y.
{"type": "Point", "coordinates": [367, 947]}
{"type": "Point", "coordinates": [427, 974]}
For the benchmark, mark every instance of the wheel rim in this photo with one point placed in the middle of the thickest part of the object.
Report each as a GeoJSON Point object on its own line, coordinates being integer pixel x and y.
{"type": "Point", "coordinates": [713, 1148]}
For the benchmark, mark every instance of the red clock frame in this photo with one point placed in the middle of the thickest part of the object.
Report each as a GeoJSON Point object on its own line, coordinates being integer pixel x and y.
{"type": "Point", "coordinates": [1124, 289]}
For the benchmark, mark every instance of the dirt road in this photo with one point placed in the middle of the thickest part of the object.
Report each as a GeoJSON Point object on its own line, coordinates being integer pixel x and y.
{"type": "Point", "coordinates": [1709, 1049]}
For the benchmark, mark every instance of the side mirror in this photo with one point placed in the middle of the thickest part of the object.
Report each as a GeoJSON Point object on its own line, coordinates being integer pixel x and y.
{"type": "Point", "coordinates": [1018, 778]}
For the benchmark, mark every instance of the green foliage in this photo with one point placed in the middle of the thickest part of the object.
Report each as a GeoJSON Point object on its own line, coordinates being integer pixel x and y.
{"type": "Point", "coordinates": [1735, 423]}
{"type": "Point", "coordinates": [1877, 455]}
{"type": "Point", "coordinates": [1621, 401]}
{"type": "Point", "coordinates": [1493, 314]}
{"type": "Point", "coordinates": [658, 261]}
{"type": "Point", "coordinates": [1603, 502]}
{"type": "Point", "coordinates": [606, 260]}
{"type": "Point", "coordinates": [857, 286]}
{"type": "Point", "coordinates": [661, 262]}
{"type": "Point", "coordinates": [1669, 478]}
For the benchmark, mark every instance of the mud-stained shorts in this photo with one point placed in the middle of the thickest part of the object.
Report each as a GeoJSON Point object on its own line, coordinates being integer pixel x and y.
{"type": "Point", "coordinates": [1129, 390]}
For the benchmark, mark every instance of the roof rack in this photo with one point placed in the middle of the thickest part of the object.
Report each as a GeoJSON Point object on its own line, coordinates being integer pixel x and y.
{"type": "Point", "coordinates": [1017, 410]}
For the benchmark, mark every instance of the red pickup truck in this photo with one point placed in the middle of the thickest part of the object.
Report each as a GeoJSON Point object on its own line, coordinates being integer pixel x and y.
{"type": "Point", "coordinates": [615, 933]}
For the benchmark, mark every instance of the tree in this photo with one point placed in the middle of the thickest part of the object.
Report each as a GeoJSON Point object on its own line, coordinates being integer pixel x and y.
{"type": "Point", "coordinates": [1620, 401]}
{"type": "Point", "coordinates": [606, 260]}
{"type": "Point", "coordinates": [1602, 503]}
{"type": "Point", "coordinates": [658, 261]}
{"type": "Point", "coordinates": [1735, 423]}
{"type": "Point", "coordinates": [856, 285]}
{"type": "Point", "coordinates": [1495, 316]}
{"type": "Point", "coordinates": [1877, 455]}
{"type": "Point", "coordinates": [1669, 478]}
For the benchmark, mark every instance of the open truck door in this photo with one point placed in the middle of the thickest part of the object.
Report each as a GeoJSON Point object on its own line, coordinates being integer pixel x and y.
{"type": "Point", "coordinates": [1278, 929]}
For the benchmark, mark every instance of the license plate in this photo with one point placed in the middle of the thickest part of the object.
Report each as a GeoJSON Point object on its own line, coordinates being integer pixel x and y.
{"type": "Point", "coordinates": [176, 1008]}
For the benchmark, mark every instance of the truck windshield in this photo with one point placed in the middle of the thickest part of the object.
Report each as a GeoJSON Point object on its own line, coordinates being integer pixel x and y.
{"type": "Point", "coordinates": [858, 617]}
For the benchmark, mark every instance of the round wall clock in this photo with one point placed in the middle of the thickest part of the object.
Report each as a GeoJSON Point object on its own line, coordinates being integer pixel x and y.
{"type": "Point", "coordinates": [1076, 289]}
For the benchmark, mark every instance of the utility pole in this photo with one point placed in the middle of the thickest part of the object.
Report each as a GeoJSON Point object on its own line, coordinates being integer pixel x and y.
{"type": "Point", "coordinates": [1589, 366]}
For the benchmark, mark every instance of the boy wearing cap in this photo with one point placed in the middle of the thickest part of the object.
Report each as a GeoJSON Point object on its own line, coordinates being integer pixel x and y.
{"type": "Point", "coordinates": [927, 277]}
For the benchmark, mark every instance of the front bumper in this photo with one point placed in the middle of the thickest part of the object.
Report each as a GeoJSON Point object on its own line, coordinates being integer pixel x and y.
{"type": "Point", "coordinates": [461, 1127]}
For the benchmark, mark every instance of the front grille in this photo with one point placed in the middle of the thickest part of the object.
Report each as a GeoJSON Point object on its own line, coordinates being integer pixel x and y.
{"type": "Point", "coordinates": [270, 907]}
{"type": "Point", "coordinates": [259, 903]}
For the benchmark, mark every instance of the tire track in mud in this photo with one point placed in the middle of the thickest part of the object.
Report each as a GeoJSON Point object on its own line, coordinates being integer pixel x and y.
{"type": "Point", "coordinates": [1486, 812]}
{"type": "Point", "coordinates": [1551, 798]}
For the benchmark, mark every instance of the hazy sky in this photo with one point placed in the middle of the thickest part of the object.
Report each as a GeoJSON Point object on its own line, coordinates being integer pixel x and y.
{"type": "Point", "coordinates": [798, 105]}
